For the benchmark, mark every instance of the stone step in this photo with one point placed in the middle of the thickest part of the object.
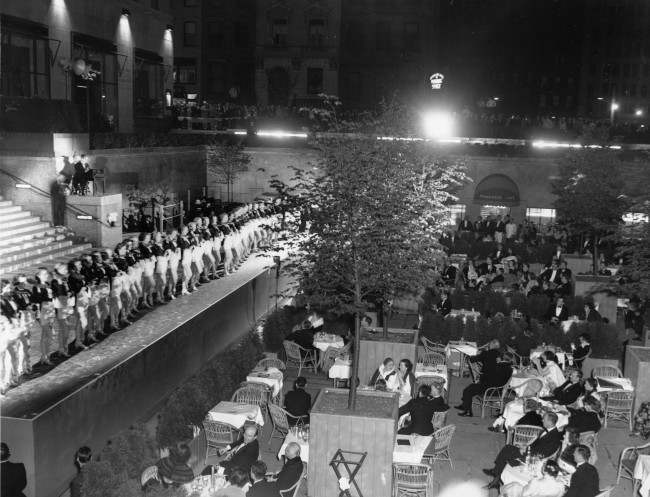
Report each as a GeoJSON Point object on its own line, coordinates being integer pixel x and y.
{"type": "Point", "coordinates": [17, 223]}
{"type": "Point", "coordinates": [9, 249]}
{"type": "Point", "coordinates": [6, 203]}
{"type": "Point", "coordinates": [59, 254]}
{"type": "Point", "coordinates": [9, 209]}
{"type": "Point", "coordinates": [37, 231]}
{"type": "Point", "coordinates": [14, 215]}
{"type": "Point", "coordinates": [24, 254]}
{"type": "Point", "coordinates": [34, 228]}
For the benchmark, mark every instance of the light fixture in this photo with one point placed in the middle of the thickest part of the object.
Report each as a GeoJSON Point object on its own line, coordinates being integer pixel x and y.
{"type": "Point", "coordinates": [126, 12]}
{"type": "Point", "coordinates": [168, 98]}
{"type": "Point", "coordinates": [438, 125]}
{"type": "Point", "coordinates": [600, 98]}
{"type": "Point", "coordinates": [192, 96]}
{"type": "Point", "coordinates": [281, 134]}
{"type": "Point", "coordinates": [84, 217]}
{"type": "Point", "coordinates": [24, 186]}
{"type": "Point", "coordinates": [170, 27]}
{"type": "Point", "coordinates": [496, 99]}
{"type": "Point", "coordinates": [638, 112]}
{"type": "Point", "coordinates": [614, 106]}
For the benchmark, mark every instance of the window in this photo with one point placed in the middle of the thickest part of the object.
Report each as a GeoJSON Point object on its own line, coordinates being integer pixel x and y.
{"type": "Point", "coordinates": [494, 210]}
{"type": "Point", "coordinates": [314, 80]}
{"type": "Point", "coordinates": [316, 32]}
{"type": "Point", "coordinates": [635, 217]}
{"type": "Point", "coordinates": [185, 74]}
{"type": "Point", "coordinates": [412, 37]}
{"type": "Point", "coordinates": [215, 36]}
{"type": "Point", "coordinates": [148, 91]}
{"type": "Point", "coordinates": [456, 214]}
{"type": "Point", "coordinates": [279, 32]}
{"type": "Point", "coordinates": [540, 215]}
{"type": "Point", "coordinates": [241, 35]}
{"type": "Point", "coordinates": [24, 67]}
{"type": "Point", "coordinates": [190, 36]}
{"type": "Point", "coordinates": [382, 32]}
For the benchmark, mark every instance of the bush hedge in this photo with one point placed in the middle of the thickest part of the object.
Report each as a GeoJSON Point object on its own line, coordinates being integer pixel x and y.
{"type": "Point", "coordinates": [605, 340]}
{"type": "Point", "coordinates": [216, 381]}
{"type": "Point", "coordinates": [542, 254]}
{"type": "Point", "coordinates": [278, 326]}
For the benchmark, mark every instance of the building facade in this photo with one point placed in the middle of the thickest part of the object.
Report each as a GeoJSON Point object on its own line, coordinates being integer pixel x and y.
{"type": "Point", "coordinates": [386, 46]}
{"type": "Point", "coordinates": [297, 50]}
{"type": "Point", "coordinates": [74, 65]}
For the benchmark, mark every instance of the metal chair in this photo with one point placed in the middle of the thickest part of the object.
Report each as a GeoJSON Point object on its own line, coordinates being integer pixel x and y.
{"type": "Point", "coordinates": [619, 405]}
{"type": "Point", "coordinates": [331, 354]}
{"type": "Point", "coordinates": [521, 360]}
{"type": "Point", "coordinates": [524, 435]}
{"type": "Point", "coordinates": [270, 362]}
{"type": "Point", "coordinates": [218, 435]}
{"type": "Point", "coordinates": [432, 359]}
{"type": "Point", "coordinates": [299, 356]}
{"type": "Point", "coordinates": [280, 419]}
{"type": "Point", "coordinates": [627, 462]}
{"type": "Point", "coordinates": [412, 480]}
{"type": "Point", "coordinates": [252, 395]}
{"type": "Point", "coordinates": [431, 346]}
{"type": "Point", "coordinates": [440, 446]}
{"type": "Point", "coordinates": [492, 399]}
{"type": "Point", "coordinates": [292, 491]}
{"type": "Point", "coordinates": [606, 372]}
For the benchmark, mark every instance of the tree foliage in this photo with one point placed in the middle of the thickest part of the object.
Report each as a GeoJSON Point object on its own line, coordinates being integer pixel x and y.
{"type": "Point", "coordinates": [226, 162]}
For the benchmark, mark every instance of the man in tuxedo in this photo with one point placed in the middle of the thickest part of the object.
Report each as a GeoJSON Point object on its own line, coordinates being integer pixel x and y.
{"type": "Point", "coordinates": [13, 478]}
{"type": "Point", "coordinates": [565, 271]}
{"type": "Point", "coordinates": [243, 453]}
{"type": "Point", "coordinates": [298, 402]}
{"type": "Point", "coordinates": [465, 225]}
{"type": "Point", "coordinates": [584, 481]}
{"type": "Point", "coordinates": [421, 411]}
{"type": "Point", "coordinates": [552, 274]}
{"type": "Point", "coordinates": [591, 314]}
{"type": "Point", "coordinates": [449, 274]}
{"type": "Point", "coordinates": [444, 307]}
{"type": "Point", "coordinates": [587, 418]}
{"type": "Point", "coordinates": [570, 390]}
{"type": "Point", "coordinates": [260, 486]}
{"type": "Point", "coordinates": [559, 312]}
{"type": "Point", "coordinates": [547, 444]}
{"type": "Point", "coordinates": [292, 469]}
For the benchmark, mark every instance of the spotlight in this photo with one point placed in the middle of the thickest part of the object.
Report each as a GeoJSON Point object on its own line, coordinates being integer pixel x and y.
{"type": "Point", "coordinates": [614, 106]}
{"type": "Point", "coordinates": [168, 99]}
{"type": "Point", "coordinates": [23, 186]}
{"type": "Point", "coordinates": [438, 125]}
{"type": "Point", "coordinates": [126, 12]}
{"type": "Point", "coordinates": [638, 112]}
{"type": "Point", "coordinates": [170, 27]}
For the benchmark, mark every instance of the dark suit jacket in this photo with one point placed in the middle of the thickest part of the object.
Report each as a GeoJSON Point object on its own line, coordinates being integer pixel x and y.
{"type": "Point", "coordinates": [298, 402]}
{"type": "Point", "coordinates": [13, 479]}
{"type": "Point", "coordinates": [567, 393]}
{"type": "Point", "coordinates": [444, 308]}
{"type": "Point", "coordinates": [584, 482]}
{"type": "Point", "coordinates": [263, 488]}
{"type": "Point", "coordinates": [594, 316]}
{"type": "Point", "coordinates": [547, 444]}
{"type": "Point", "coordinates": [290, 473]}
{"type": "Point", "coordinates": [564, 313]}
{"type": "Point", "coordinates": [245, 457]}
{"type": "Point", "coordinates": [546, 275]}
{"type": "Point", "coordinates": [450, 273]}
{"type": "Point", "coordinates": [421, 410]}
{"type": "Point", "coordinates": [531, 418]}
{"type": "Point", "coordinates": [582, 421]}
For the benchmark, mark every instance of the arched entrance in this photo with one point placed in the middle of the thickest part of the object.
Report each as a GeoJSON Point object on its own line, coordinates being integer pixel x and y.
{"type": "Point", "coordinates": [278, 86]}
{"type": "Point", "coordinates": [497, 189]}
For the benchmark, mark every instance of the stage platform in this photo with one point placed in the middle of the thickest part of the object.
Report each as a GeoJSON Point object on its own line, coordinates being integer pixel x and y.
{"type": "Point", "coordinates": [124, 378]}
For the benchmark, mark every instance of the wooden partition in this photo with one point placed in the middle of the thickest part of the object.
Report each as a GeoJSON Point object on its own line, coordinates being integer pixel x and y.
{"type": "Point", "coordinates": [400, 345]}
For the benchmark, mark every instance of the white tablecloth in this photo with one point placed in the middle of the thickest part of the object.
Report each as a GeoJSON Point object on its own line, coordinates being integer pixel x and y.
{"type": "Point", "coordinates": [518, 380]}
{"type": "Point", "coordinates": [514, 411]}
{"type": "Point", "coordinates": [516, 474]}
{"type": "Point", "coordinates": [412, 453]}
{"type": "Point", "coordinates": [473, 315]}
{"type": "Point", "coordinates": [642, 472]}
{"type": "Point", "coordinates": [292, 437]}
{"type": "Point", "coordinates": [566, 325]}
{"type": "Point", "coordinates": [439, 371]}
{"type": "Point", "coordinates": [322, 341]}
{"type": "Point", "coordinates": [272, 377]}
{"type": "Point", "coordinates": [624, 384]}
{"type": "Point", "coordinates": [205, 486]}
{"type": "Point", "coordinates": [561, 355]}
{"type": "Point", "coordinates": [235, 414]}
{"type": "Point", "coordinates": [467, 348]}
{"type": "Point", "coordinates": [341, 369]}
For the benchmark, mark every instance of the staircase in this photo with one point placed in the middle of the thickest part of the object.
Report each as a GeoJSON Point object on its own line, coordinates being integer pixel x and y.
{"type": "Point", "coordinates": [27, 243]}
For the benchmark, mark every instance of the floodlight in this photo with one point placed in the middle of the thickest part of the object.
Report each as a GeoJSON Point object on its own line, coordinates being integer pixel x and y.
{"type": "Point", "coordinates": [438, 124]}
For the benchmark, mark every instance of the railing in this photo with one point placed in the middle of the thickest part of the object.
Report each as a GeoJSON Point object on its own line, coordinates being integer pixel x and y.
{"type": "Point", "coordinates": [169, 213]}
{"type": "Point", "coordinates": [38, 191]}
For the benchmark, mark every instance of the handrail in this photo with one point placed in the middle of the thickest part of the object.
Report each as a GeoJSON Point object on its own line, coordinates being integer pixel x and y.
{"type": "Point", "coordinates": [39, 191]}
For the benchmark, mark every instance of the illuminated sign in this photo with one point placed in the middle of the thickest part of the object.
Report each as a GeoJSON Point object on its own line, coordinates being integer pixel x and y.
{"type": "Point", "coordinates": [436, 81]}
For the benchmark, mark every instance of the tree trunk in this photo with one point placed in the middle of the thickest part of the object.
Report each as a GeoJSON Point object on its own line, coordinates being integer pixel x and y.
{"type": "Point", "coordinates": [595, 255]}
{"type": "Point", "coordinates": [352, 399]}
{"type": "Point", "coordinates": [384, 319]}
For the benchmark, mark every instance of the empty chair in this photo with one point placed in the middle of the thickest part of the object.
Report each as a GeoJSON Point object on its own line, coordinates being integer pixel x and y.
{"type": "Point", "coordinates": [412, 480]}
{"type": "Point", "coordinates": [627, 463]}
{"type": "Point", "coordinates": [270, 362]}
{"type": "Point", "coordinates": [432, 359]}
{"type": "Point", "coordinates": [492, 399]}
{"type": "Point", "coordinates": [280, 419]}
{"type": "Point", "coordinates": [299, 356]}
{"type": "Point", "coordinates": [521, 361]}
{"type": "Point", "coordinates": [441, 446]}
{"type": "Point", "coordinates": [431, 346]}
{"type": "Point", "coordinates": [524, 435]}
{"type": "Point", "coordinates": [218, 435]}
{"type": "Point", "coordinates": [619, 405]}
{"type": "Point", "coordinates": [251, 395]}
{"type": "Point", "coordinates": [606, 372]}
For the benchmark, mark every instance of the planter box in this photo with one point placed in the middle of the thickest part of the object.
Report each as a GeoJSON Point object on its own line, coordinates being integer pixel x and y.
{"type": "Point", "coordinates": [637, 368]}
{"type": "Point", "coordinates": [373, 351]}
{"type": "Point", "coordinates": [578, 263]}
{"type": "Point", "coordinates": [592, 362]}
{"type": "Point", "coordinates": [370, 428]}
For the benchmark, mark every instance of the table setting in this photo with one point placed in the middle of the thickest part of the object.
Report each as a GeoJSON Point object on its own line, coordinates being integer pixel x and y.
{"type": "Point", "coordinates": [439, 370]}
{"type": "Point", "coordinates": [410, 449]}
{"type": "Point", "coordinates": [235, 414]}
{"type": "Point", "coordinates": [205, 485]}
{"type": "Point", "coordinates": [341, 369]}
{"type": "Point", "coordinates": [323, 341]}
{"type": "Point", "coordinates": [526, 472]}
{"type": "Point", "coordinates": [272, 377]}
{"type": "Point", "coordinates": [614, 384]}
{"type": "Point", "coordinates": [299, 435]}
{"type": "Point", "coordinates": [464, 313]}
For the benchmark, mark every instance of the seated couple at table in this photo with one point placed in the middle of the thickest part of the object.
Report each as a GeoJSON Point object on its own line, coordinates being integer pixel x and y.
{"type": "Point", "coordinates": [421, 411]}
{"type": "Point", "coordinates": [401, 380]}
{"type": "Point", "coordinates": [546, 485]}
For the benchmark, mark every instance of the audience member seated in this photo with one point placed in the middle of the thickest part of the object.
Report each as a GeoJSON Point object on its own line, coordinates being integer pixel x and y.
{"type": "Point", "coordinates": [559, 312]}
{"type": "Point", "coordinates": [297, 402]}
{"type": "Point", "coordinates": [591, 314]}
{"type": "Point", "coordinates": [590, 387]}
{"type": "Point", "coordinates": [292, 469]}
{"type": "Point", "coordinates": [237, 484]}
{"type": "Point", "coordinates": [386, 372]}
{"type": "Point", "coordinates": [260, 487]}
{"type": "Point", "coordinates": [584, 481]}
{"type": "Point", "coordinates": [303, 335]}
{"type": "Point", "coordinates": [421, 410]}
{"type": "Point", "coordinates": [13, 478]}
{"type": "Point", "coordinates": [406, 380]}
{"type": "Point", "coordinates": [494, 373]}
{"type": "Point", "coordinates": [546, 485]}
{"type": "Point", "coordinates": [444, 307]}
{"type": "Point", "coordinates": [531, 408]}
{"type": "Point", "coordinates": [547, 444]}
{"type": "Point", "coordinates": [581, 350]}
{"type": "Point", "coordinates": [570, 390]}
{"type": "Point", "coordinates": [173, 469]}
{"type": "Point", "coordinates": [243, 453]}
{"type": "Point", "coordinates": [585, 418]}
{"type": "Point", "coordinates": [549, 369]}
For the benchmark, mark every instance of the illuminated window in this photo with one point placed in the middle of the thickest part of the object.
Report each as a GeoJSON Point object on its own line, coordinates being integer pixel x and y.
{"type": "Point", "coordinates": [456, 214]}
{"type": "Point", "coordinates": [540, 215]}
{"type": "Point", "coordinates": [635, 217]}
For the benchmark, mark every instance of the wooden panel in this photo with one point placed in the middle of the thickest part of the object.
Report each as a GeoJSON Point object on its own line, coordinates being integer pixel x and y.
{"type": "Point", "coordinates": [373, 353]}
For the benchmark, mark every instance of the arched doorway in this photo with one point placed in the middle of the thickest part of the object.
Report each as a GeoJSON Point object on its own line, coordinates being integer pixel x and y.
{"type": "Point", "coordinates": [498, 190]}
{"type": "Point", "coordinates": [278, 86]}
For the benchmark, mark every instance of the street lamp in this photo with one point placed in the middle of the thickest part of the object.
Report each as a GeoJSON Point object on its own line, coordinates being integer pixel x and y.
{"type": "Point", "coordinates": [612, 109]}
{"type": "Point", "coordinates": [438, 124]}
{"type": "Point", "coordinates": [638, 112]}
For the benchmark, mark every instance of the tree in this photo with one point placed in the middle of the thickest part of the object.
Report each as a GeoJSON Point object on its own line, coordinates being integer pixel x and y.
{"type": "Point", "coordinates": [226, 162]}
{"type": "Point", "coordinates": [591, 196]}
{"type": "Point", "coordinates": [373, 210]}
